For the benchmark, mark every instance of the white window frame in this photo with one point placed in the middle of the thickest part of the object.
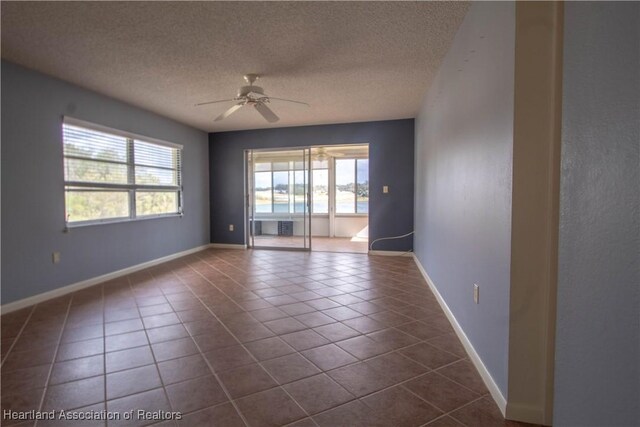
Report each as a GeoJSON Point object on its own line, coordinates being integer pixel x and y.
{"type": "Point", "coordinates": [131, 187]}
{"type": "Point", "coordinates": [329, 190]}
{"type": "Point", "coordinates": [355, 212]}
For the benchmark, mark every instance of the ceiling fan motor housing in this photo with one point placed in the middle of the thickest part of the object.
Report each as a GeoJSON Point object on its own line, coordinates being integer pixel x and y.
{"type": "Point", "coordinates": [253, 96]}
{"type": "Point", "coordinates": [246, 90]}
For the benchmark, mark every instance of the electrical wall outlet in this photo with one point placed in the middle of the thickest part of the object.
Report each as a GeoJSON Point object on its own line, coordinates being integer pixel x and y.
{"type": "Point", "coordinates": [385, 189]}
{"type": "Point", "coordinates": [231, 228]}
{"type": "Point", "coordinates": [476, 293]}
{"type": "Point", "coordinates": [55, 257]}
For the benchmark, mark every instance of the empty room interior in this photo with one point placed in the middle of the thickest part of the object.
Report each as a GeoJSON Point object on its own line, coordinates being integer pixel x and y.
{"type": "Point", "coordinates": [320, 213]}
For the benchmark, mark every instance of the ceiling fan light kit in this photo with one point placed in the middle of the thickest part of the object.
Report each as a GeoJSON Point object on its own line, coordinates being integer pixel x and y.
{"type": "Point", "coordinates": [252, 96]}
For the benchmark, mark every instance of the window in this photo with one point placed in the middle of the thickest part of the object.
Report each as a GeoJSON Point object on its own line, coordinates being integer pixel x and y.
{"type": "Point", "coordinates": [352, 186]}
{"type": "Point", "coordinates": [320, 170]}
{"type": "Point", "coordinates": [281, 191]}
{"type": "Point", "coordinates": [263, 192]}
{"type": "Point", "coordinates": [111, 175]}
{"type": "Point", "coordinates": [280, 187]}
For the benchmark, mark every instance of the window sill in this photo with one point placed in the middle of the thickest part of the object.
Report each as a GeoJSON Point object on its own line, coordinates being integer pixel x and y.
{"type": "Point", "coordinates": [83, 224]}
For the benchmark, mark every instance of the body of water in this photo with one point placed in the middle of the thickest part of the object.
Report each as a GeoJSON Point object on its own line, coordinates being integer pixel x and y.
{"type": "Point", "coordinates": [318, 207]}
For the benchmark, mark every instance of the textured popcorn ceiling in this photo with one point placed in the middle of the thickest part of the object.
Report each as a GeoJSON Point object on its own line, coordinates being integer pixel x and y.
{"type": "Point", "coordinates": [352, 61]}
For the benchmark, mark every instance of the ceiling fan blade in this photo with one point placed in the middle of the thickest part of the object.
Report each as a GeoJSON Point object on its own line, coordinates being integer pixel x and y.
{"type": "Point", "coordinates": [266, 112]}
{"type": "Point", "coordinates": [214, 102]}
{"type": "Point", "coordinates": [290, 100]}
{"type": "Point", "coordinates": [229, 112]}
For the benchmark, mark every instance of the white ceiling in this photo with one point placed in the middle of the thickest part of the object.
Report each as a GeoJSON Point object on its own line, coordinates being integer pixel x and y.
{"type": "Point", "coordinates": [352, 61]}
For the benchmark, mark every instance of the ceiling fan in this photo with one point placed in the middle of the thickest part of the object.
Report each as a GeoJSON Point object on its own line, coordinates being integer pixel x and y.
{"type": "Point", "coordinates": [251, 96]}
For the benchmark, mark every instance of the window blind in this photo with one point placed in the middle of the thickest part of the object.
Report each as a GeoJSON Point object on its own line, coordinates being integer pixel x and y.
{"type": "Point", "coordinates": [114, 176]}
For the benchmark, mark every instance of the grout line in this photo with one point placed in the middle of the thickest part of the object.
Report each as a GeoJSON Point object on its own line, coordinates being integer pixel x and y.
{"type": "Point", "coordinates": [155, 361]}
{"type": "Point", "coordinates": [15, 339]}
{"type": "Point", "coordinates": [421, 398]}
{"type": "Point", "coordinates": [363, 334]}
{"type": "Point", "coordinates": [251, 354]}
{"type": "Point", "coordinates": [198, 258]}
{"type": "Point", "coordinates": [343, 305]}
{"type": "Point", "coordinates": [104, 349]}
{"type": "Point", "coordinates": [444, 413]}
{"type": "Point", "coordinates": [337, 321]}
{"type": "Point", "coordinates": [439, 417]}
{"type": "Point", "coordinates": [450, 413]}
{"type": "Point", "coordinates": [243, 346]}
{"type": "Point", "coordinates": [55, 356]}
{"type": "Point", "coordinates": [202, 354]}
{"type": "Point", "coordinates": [375, 356]}
{"type": "Point", "coordinates": [430, 370]}
{"type": "Point", "coordinates": [435, 371]}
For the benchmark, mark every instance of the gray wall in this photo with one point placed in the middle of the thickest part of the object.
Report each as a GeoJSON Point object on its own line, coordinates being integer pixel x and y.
{"type": "Point", "coordinates": [390, 163]}
{"type": "Point", "coordinates": [597, 380]}
{"type": "Point", "coordinates": [33, 189]}
{"type": "Point", "coordinates": [463, 163]}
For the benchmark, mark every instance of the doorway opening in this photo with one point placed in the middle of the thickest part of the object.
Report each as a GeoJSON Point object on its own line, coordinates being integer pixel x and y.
{"type": "Point", "coordinates": [308, 198]}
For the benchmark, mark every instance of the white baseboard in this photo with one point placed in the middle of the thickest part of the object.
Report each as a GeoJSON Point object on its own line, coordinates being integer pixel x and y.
{"type": "Point", "coordinates": [391, 253]}
{"type": "Point", "coordinates": [227, 246]}
{"type": "Point", "coordinates": [26, 302]}
{"type": "Point", "coordinates": [473, 355]}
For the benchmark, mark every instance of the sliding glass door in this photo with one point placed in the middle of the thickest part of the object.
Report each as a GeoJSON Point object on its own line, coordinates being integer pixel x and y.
{"type": "Point", "coordinates": [278, 198]}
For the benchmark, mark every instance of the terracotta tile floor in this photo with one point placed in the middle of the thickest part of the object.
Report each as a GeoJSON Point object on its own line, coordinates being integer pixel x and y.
{"type": "Point", "coordinates": [258, 338]}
